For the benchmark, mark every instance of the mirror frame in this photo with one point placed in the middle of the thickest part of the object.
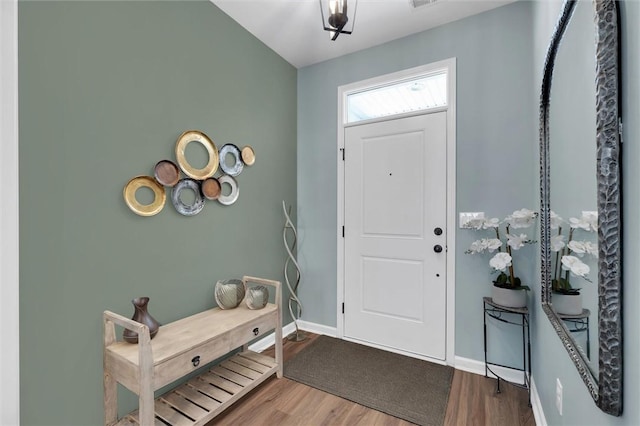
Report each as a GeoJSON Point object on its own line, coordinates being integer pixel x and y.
{"type": "Point", "coordinates": [607, 390]}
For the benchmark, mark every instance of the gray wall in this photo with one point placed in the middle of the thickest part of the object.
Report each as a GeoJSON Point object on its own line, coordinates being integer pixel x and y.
{"type": "Point", "coordinates": [496, 144]}
{"type": "Point", "coordinates": [105, 90]}
{"type": "Point", "coordinates": [550, 358]}
{"type": "Point", "coordinates": [500, 55]}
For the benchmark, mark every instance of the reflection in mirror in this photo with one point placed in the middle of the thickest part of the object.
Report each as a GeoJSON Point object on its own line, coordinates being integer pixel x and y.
{"type": "Point", "coordinates": [576, 140]}
{"type": "Point", "coordinates": [573, 185]}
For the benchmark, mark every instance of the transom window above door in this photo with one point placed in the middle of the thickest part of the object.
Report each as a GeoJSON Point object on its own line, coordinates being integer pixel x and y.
{"type": "Point", "coordinates": [402, 97]}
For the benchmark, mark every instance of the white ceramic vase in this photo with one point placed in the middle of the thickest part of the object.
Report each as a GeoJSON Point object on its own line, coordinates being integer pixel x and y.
{"type": "Point", "coordinates": [509, 298]}
{"type": "Point", "coordinates": [567, 304]}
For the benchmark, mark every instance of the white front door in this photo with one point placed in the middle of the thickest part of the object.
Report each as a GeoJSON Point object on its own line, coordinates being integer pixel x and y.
{"type": "Point", "coordinates": [395, 192]}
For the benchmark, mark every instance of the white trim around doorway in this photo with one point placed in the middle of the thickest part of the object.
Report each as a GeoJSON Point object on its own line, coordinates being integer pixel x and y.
{"type": "Point", "coordinates": [450, 66]}
{"type": "Point", "coordinates": [9, 263]}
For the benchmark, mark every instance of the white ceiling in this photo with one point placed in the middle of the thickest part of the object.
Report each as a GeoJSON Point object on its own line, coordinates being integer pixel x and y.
{"type": "Point", "coordinates": [293, 28]}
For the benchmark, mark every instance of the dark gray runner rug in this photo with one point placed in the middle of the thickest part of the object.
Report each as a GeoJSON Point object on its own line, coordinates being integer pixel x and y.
{"type": "Point", "coordinates": [404, 387]}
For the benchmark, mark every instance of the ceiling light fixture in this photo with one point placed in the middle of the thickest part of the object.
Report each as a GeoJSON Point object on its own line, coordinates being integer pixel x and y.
{"type": "Point", "coordinates": [336, 21]}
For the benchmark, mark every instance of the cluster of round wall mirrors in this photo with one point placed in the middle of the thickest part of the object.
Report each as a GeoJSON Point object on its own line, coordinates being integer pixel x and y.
{"type": "Point", "coordinates": [204, 183]}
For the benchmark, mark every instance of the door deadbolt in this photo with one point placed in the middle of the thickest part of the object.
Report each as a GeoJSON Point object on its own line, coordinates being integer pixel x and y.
{"type": "Point", "coordinates": [437, 248]}
{"type": "Point", "coordinates": [437, 231]}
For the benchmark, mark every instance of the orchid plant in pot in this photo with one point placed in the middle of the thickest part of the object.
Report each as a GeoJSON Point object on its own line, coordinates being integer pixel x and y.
{"type": "Point", "coordinates": [568, 262]}
{"type": "Point", "coordinates": [508, 239]}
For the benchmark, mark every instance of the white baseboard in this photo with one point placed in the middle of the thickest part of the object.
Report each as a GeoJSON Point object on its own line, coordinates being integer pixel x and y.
{"type": "Point", "coordinates": [536, 405]}
{"type": "Point", "coordinates": [311, 327]}
{"type": "Point", "coordinates": [477, 367]}
{"type": "Point", "coordinates": [270, 339]}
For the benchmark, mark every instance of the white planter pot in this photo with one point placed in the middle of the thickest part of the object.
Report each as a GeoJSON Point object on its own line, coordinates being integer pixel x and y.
{"type": "Point", "coordinates": [567, 304]}
{"type": "Point", "coordinates": [509, 298]}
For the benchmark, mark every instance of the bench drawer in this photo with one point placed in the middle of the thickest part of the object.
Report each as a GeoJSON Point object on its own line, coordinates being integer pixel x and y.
{"type": "Point", "coordinates": [187, 362]}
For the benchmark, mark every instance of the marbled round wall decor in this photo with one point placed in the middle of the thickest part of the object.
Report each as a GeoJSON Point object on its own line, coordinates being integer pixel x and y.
{"type": "Point", "coordinates": [204, 182]}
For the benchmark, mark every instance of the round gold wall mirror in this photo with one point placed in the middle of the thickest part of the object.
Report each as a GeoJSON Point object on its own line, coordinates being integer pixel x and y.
{"type": "Point", "coordinates": [212, 164]}
{"type": "Point", "coordinates": [141, 209]}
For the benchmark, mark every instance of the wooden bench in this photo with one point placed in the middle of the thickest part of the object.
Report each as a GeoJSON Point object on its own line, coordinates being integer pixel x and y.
{"type": "Point", "coordinates": [182, 347]}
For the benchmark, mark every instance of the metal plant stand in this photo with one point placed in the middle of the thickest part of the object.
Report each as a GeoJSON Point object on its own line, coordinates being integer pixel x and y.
{"type": "Point", "coordinates": [504, 314]}
{"type": "Point", "coordinates": [290, 239]}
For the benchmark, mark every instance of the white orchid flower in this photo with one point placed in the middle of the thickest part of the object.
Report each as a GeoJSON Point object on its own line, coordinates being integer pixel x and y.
{"type": "Point", "coordinates": [591, 248]}
{"type": "Point", "coordinates": [576, 223]}
{"type": "Point", "coordinates": [556, 221]}
{"type": "Point", "coordinates": [592, 219]}
{"type": "Point", "coordinates": [577, 247]}
{"type": "Point", "coordinates": [575, 266]}
{"type": "Point", "coordinates": [493, 244]}
{"type": "Point", "coordinates": [588, 221]}
{"type": "Point", "coordinates": [474, 223]}
{"type": "Point", "coordinates": [485, 244]}
{"type": "Point", "coordinates": [500, 261]}
{"type": "Point", "coordinates": [491, 223]}
{"type": "Point", "coordinates": [522, 218]}
{"type": "Point", "coordinates": [557, 243]}
{"type": "Point", "coordinates": [476, 247]}
{"type": "Point", "coordinates": [517, 241]}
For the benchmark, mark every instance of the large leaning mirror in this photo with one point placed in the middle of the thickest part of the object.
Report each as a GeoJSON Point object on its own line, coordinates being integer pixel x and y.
{"type": "Point", "coordinates": [580, 201]}
{"type": "Point", "coordinates": [573, 190]}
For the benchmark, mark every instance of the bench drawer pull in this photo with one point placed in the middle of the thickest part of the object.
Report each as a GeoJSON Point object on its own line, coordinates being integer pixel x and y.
{"type": "Point", "coordinates": [195, 360]}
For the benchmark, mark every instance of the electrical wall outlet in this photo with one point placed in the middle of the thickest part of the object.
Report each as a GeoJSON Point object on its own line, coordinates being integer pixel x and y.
{"type": "Point", "coordinates": [465, 217]}
{"type": "Point", "coordinates": [559, 396]}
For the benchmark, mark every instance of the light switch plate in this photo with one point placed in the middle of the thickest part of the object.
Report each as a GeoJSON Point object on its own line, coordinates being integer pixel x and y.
{"type": "Point", "coordinates": [465, 217]}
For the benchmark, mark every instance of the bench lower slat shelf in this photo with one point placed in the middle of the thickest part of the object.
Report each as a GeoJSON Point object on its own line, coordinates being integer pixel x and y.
{"type": "Point", "coordinates": [198, 401]}
{"type": "Point", "coordinates": [186, 406]}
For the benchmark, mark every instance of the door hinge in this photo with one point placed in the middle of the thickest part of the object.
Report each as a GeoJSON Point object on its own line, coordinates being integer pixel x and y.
{"type": "Point", "coordinates": [343, 307]}
{"type": "Point", "coordinates": [342, 149]}
{"type": "Point", "coordinates": [343, 232]}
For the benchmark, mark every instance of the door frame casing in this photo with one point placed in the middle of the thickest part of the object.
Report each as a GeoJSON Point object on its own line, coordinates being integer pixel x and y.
{"type": "Point", "coordinates": [9, 223]}
{"type": "Point", "coordinates": [448, 65]}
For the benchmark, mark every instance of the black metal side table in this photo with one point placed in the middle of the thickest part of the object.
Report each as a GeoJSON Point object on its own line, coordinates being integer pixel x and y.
{"type": "Point", "coordinates": [578, 323]}
{"type": "Point", "coordinates": [505, 314]}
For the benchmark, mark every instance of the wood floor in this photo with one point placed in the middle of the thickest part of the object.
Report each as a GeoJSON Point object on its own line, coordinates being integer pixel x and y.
{"type": "Point", "coordinates": [472, 401]}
